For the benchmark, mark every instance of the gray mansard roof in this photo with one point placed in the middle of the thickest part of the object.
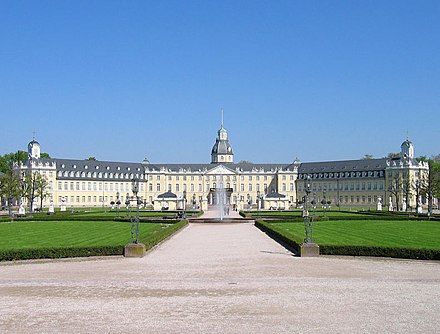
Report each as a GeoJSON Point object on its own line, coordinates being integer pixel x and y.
{"type": "Point", "coordinates": [343, 166]}
{"type": "Point", "coordinates": [68, 169]}
{"type": "Point", "coordinates": [221, 147]}
{"type": "Point", "coordinates": [98, 170]}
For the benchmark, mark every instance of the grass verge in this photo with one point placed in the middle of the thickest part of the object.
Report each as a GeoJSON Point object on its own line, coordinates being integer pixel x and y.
{"type": "Point", "coordinates": [49, 239]}
{"type": "Point", "coordinates": [400, 239]}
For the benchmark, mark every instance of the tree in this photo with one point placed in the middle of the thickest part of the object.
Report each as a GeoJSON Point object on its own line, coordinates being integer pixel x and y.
{"type": "Point", "coordinates": [29, 188]}
{"type": "Point", "coordinates": [91, 159]}
{"type": "Point", "coordinates": [431, 186]}
{"type": "Point", "coordinates": [367, 157]}
{"type": "Point", "coordinates": [393, 155]}
{"type": "Point", "coordinates": [7, 161]}
{"type": "Point", "coordinates": [407, 187]}
{"type": "Point", "coordinates": [41, 189]}
{"type": "Point", "coordinates": [395, 188]}
{"type": "Point", "coordinates": [10, 188]}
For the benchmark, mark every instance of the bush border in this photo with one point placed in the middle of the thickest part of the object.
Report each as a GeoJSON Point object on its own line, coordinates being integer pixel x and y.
{"type": "Point", "coordinates": [373, 251]}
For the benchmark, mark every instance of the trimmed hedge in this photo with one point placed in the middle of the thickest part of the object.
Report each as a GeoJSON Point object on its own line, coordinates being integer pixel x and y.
{"type": "Point", "coordinates": [374, 251]}
{"type": "Point", "coordinates": [66, 252]}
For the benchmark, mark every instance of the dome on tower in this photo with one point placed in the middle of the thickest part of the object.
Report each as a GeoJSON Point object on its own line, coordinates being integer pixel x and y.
{"type": "Point", "coordinates": [222, 151]}
{"type": "Point", "coordinates": [34, 150]}
{"type": "Point", "coordinates": [407, 149]}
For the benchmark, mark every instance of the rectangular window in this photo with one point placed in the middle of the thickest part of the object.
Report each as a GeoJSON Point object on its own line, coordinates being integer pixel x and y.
{"type": "Point", "coordinates": [292, 187]}
{"type": "Point", "coordinates": [84, 199]}
{"type": "Point", "coordinates": [363, 185]}
{"type": "Point", "coordinates": [66, 186]}
{"type": "Point", "coordinates": [89, 199]}
{"type": "Point", "coordinates": [242, 187]}
{"type": "Point", "coordinates": [357, 185]}
{"type": "Point", "coordinates": [284, 187]}
{"type": "Point", "coordinates": [200, 187]}
{"type": "Point", "coordinates": [158, 187]}
{"type": "Point", "coordinates": [60, 185]}
{"type": "Point", "coordinates": [369, 185]}
{"type": "Point", "coordinates": [83, 185]}
{"type": "Point", "coordinates": [150, 187]}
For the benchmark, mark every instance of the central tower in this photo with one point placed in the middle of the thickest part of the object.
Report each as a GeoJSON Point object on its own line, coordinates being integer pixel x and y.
{"type": "Point", "coordinates": [222, 150]}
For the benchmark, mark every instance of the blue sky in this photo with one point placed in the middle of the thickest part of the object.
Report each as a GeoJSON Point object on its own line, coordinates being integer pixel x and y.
{"type": "Point", "coordinates": [124, 80]}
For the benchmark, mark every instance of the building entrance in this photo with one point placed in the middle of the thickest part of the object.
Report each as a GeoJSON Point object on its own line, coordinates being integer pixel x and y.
{"type": "Point", "coordinates": [215, 196]}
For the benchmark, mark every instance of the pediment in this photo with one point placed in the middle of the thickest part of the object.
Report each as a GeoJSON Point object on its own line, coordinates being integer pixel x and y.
{"type": "Point", "coordinates": [220, 170]}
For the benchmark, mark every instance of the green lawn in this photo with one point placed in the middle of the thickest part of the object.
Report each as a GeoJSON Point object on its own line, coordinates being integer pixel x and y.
{"type": "Point", "coordinates": [385, 233]}
{"type": "Point", "coordinates": [24, 239]}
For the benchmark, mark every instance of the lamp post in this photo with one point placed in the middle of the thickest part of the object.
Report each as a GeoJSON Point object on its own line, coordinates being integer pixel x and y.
{"type": "Point", "coordinates": [184, 204]}
{"type": "Point", "coordinates": [259, 197]}
{"type": "Point", "coordinates": [324, 203]}
{"type": "Point", "coordinates": [135, 224]}
{"type": "Point", "coordinates": [308, 248]}
{"type": "Point", "coordinates": [308, 220]}
{"type": "Point", "coordinates": [135, 248]}
{"type": "Point", "coordinates": [118, 203]}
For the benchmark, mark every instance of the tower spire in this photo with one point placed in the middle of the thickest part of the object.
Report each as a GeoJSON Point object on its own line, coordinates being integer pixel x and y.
{"type": "Point", "coordinates": [222, 117]}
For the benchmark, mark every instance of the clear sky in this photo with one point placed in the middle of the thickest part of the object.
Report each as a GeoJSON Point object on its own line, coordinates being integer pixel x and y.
{"type": "Point", "coordinates": [125, 80]}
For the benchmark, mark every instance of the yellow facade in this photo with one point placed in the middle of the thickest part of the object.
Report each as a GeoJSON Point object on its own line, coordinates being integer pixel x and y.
{"type": "Point", "coordinates": [84, 183]}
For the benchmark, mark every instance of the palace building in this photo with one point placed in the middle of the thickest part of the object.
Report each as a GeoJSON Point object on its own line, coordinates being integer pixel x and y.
{"type": "Point", "coordinates": [353, 183]}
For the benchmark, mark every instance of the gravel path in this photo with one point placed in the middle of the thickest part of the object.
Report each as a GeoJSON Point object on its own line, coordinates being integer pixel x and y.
{"type": "Point", "coordinates": [220, 278]}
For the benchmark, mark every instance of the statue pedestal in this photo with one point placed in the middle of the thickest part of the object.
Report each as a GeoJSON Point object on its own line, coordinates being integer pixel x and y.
{"type": "Point", "coordinates": [134, 250]}
{"type": "Point", "coordinates": [309, 249]}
